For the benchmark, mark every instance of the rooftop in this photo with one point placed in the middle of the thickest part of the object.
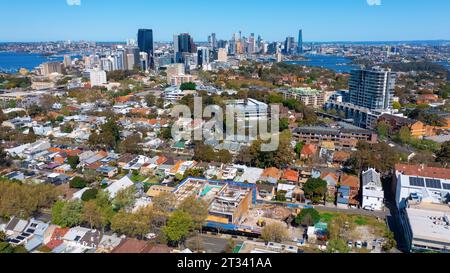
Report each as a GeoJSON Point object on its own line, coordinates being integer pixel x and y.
{"type": "Point", "coordinates": [423, 171]}
{"type": "Point", "coordinates": [432, 225]}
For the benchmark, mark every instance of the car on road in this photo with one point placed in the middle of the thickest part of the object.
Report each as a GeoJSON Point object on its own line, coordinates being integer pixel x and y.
{"type": "Point", "coordinates": [369, 208]}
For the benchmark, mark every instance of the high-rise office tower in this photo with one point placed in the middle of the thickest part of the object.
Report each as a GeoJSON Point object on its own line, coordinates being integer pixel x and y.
{"type": "Point", "coordinates": [272, 48]}
{"type": "Point", "coordinates": [251, 44]}
{"type": "Point", "coordinates": [176, 46]}
{"type": "Point", "coordinates": [289, 45]}
{"type": "Point", "coordinates": [121, 59]}
{"type": "Point", "coordinates": [145, 43]}
{"type": "Point", "coordinates": [185, 43]}
{"type": "Point", "coordinates": [300, 42]}
{"type": "Point", "coordinates": [213, 42]}
{"type": "Point", "coordinates": [203, 56]}
{"type": "Point", "coordinates": [372, 88]}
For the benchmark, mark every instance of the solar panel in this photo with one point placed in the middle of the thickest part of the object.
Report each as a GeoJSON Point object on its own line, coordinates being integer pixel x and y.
{"type": "Point", "coordinates": [434, 183]}
{"type": "Point", "coordinates": [446, 186]}
{"type": "Point", "coordinates": [417, 182]}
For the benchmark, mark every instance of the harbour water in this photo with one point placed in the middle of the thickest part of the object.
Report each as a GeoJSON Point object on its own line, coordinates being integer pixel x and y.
{"type": "Point", "coordinates": [11, 62]}
{"type": "Point", "coordinates": [335, 63]}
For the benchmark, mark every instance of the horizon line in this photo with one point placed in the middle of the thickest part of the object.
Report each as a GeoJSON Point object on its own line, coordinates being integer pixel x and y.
{"type": "Point", "coordinates": [317, 41]}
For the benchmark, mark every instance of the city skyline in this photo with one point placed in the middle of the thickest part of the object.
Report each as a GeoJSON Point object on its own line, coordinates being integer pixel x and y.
{"type": "Point", "coordinates": [91, 20]}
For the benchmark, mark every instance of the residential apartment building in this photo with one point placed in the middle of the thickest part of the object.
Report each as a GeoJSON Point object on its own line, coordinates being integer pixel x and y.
{"type": "Point", "coordinates": [342, 135]}
{"type": "Point", "coordinates": [372, 88]}
{"type": "Point", "coordinates": [310, 97]}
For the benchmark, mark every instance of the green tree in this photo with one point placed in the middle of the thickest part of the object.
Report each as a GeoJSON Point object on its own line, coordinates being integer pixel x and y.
{"type": "Point", "coordinates": [443, 156]}
{"type": "Point", "coordinates": [89, 195]}
{"type": "Point", "coordinates": [383, 129]}
{"type": "Point", "coordinates": [150, 99]}
{"type": "Point", "coordinates": [124, 199]}
{"type": "Point", "coordinates": [23, 200]}
{"type": "Point", "coordinates": [131, 145]}
{"type": "Point", "coordinates": [67, 213]}
{"type": "Point", "coordinates": [379, 156]}
{"type": "Point", "coordinates": [307, 217]}
{"type": "Point", "coordinates": [390, 242]}
{"type": "Point", "coordinates": [298, 148]}
{"type": "Point", "coordinates": [315, 189]}
{"type": "Point", "coordinates": [3, 117]}
{"type": "Point", "coordinates": [188, 86]}
{"type": "Point", "coordinates": [2, 236]}
{"type": "Point", "coordinates": [282, 157]}
{"type": "Point", "coordinates": [284, 124]}
{"type": "Point", "coordinates": [404, 135]}
{"type": "Point", "coordinates": [274, 232]}
{"type": "Point", "coordinates": [5, 161]}
{"type": "Point", "coordinates": [78, 183]}
{"type": "Point", "coordinates": [281, 196]}
{"type": "Point", "coordinates": [92, 214]}
{"type": "Point", "coordinates": [73, 161]}
{"type": "Point", "coordinates": [396, 105]}
{"type": "Point", "coordinates": [337, 246]}
{"type": "Point", "coordinates": [197, 209]}
{"type": "Point", "coordinates": [178, 226]}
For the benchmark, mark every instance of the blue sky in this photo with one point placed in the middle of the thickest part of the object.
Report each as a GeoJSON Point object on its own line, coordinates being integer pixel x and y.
{"type": "Point", "coordinates": [321, 20]}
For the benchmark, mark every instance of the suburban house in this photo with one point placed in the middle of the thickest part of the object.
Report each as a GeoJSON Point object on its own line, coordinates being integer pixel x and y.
{"type": "Point", "coordinates": [290, 176]}
{"type": "Point", "coordinates": [372, 190]}
{"type": "Point", "coordinates": [271, 175]}
{"type": "Point", "coordinates": [116, 186]}
{"type": "Point", "coordinates": [332, 180]}
{"type": "Point", "coordinates": [348, 191]}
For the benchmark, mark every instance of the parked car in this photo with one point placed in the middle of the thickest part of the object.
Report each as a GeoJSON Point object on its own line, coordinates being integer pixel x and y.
{"type": "Point", "coordinates": [350, 244]}
{"type": "Point", "coordinates": [359, 244]}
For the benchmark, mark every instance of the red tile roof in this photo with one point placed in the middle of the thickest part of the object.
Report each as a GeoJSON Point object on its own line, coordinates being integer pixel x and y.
{"type": "Point", "coordinates": [290, 175]}
{"type": "Point", "coordinates": [272, 172]}
{"type": "Point", "coordinates": [57, 236]}
{"type": "Point", "coordinates": [309, 149]}
{"type": "Point", "coordinates": [131, 246]}
{"type": "Point", "coordinates": [418, 170]}
{"type": "Point", "coordinates": [350, 180]}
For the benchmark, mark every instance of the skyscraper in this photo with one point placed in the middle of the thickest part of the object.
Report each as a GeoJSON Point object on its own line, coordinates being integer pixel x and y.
{"type": "Point", "coordinates": [145, 43]}
{"type": "Point", "coordinates": [300, 42]}
{"type": "Point", "coordinates": [203, 56]}
{"type": "Point", "coordinates": [186, 43]}
{"type": "Point", "coordinates": [213, 41]}
{"type": "Point", "coordinates": [289, 45]}
{"type": "Point", "coordinates": [372, 88]}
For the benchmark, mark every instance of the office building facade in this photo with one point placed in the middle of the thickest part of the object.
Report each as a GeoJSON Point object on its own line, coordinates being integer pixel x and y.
{"type": "Point", "coordinates": [145, 42]}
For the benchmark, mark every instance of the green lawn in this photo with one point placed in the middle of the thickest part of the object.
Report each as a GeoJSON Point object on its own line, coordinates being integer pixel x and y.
{"type": "Point", "coordinates": [138, 178]}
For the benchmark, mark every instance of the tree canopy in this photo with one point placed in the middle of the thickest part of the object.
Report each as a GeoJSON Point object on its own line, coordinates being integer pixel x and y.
{"type": "Point", "coordinates": [307, 217]}
{"type": "Point", "coordinates": [315, 189]}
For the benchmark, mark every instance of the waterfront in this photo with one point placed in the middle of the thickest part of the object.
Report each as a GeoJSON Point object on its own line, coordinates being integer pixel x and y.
{"type": "Point", "coordinates": [335, 63]}
{"type": "Point", "coordinates": [11, 62]}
